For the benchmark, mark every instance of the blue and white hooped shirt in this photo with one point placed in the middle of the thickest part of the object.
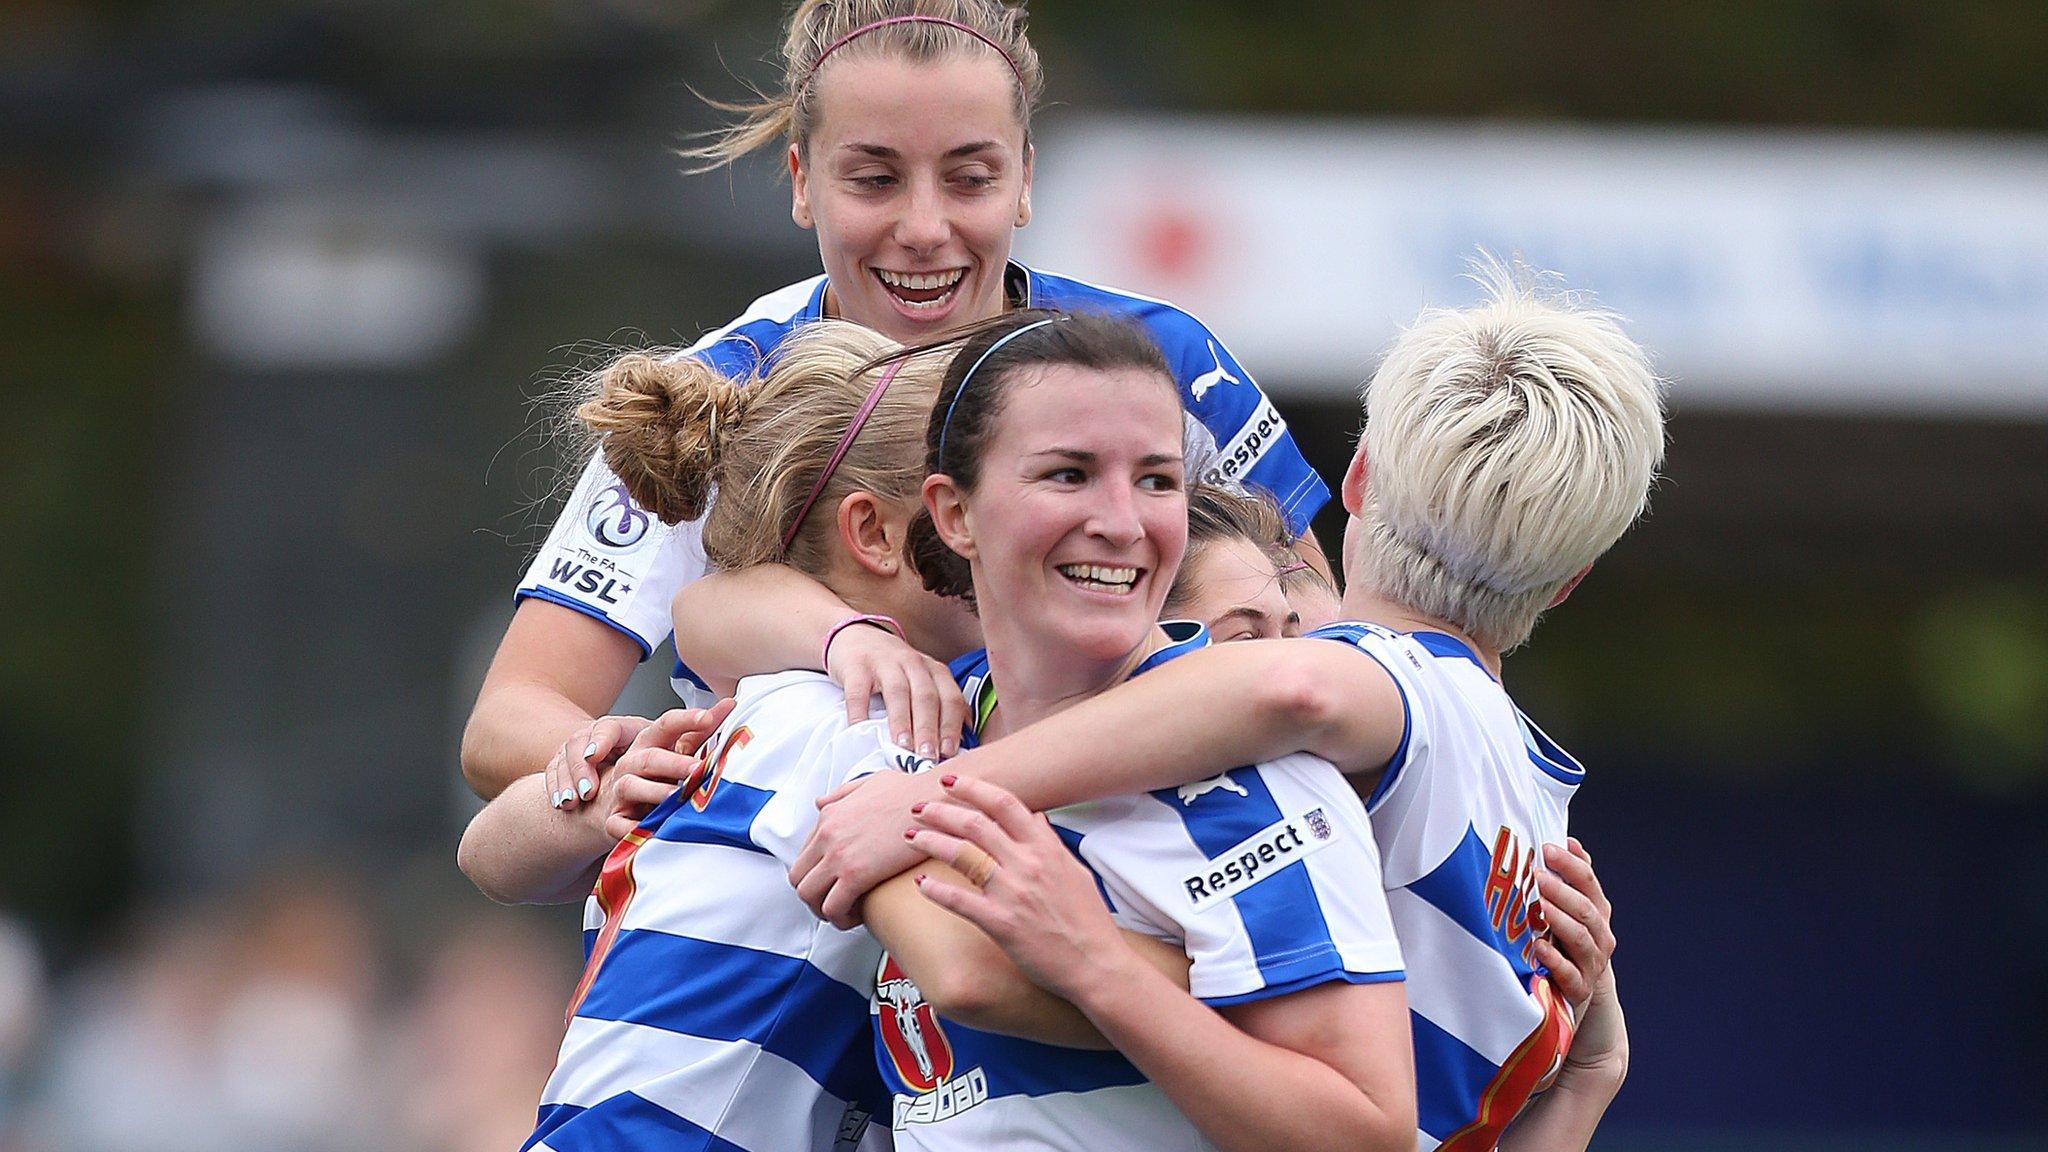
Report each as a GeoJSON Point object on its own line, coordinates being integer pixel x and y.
{"type": "Point", "coordinates": [715, 1013]}
{"type": "Point", "coordinates": [1267, 875]}
{"type": "Point", "coordinates": [1461, 814]}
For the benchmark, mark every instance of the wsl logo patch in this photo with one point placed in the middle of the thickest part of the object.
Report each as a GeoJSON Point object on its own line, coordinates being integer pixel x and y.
{"type": "Point", "coordinates": [614, 522]}
{"type": "Point", "coordinates": [1263, 853]}
{"type": "Point", "coordinates": [920, 1053]}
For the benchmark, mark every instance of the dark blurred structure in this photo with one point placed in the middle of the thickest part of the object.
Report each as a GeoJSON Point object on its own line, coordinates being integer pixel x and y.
{"type": "Point", "coordinates": [280, 281]}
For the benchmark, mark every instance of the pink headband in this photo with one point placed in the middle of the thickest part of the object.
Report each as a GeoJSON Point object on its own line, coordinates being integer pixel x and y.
{"type": "Point", "coordinates": [860, 419]}
{"type": "Point", "coordinates": [954, 24]}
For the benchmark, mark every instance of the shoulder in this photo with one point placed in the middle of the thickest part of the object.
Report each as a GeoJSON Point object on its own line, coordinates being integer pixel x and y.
{"type": "Point", "coordinates": [1179, 333]}
{"type": "Point", "coordinates": [740, 348]}
{"type": "Point", "coordinates": [790, 699]}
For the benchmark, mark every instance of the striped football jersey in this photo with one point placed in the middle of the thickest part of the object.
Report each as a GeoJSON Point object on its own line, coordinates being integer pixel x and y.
{"type": "Point", "coordinates": [1266, 874]}
{"type": "Point", "coordinates": [715, 1012]}
{"type": "Point", "coordinates": [1461, 814]}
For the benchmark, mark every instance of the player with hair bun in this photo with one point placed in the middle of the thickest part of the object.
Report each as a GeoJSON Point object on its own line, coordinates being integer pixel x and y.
{"type": "Point", "coordinates": [1506, 447]}
{"type": "Point", "coordinates": [714, 1012]}
{"type": "Point", "coordinates": [907, 129]}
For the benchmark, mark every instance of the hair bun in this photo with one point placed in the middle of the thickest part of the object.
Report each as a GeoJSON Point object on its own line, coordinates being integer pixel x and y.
{"type": "Point", "coordinates": [663, 421]}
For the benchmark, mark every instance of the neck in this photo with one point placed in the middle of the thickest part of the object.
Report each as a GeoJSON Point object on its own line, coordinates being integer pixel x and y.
{"type": "Point", "coordinates": [1363, 604]}
{"type": "Point", "coordinates": [1032, 684]}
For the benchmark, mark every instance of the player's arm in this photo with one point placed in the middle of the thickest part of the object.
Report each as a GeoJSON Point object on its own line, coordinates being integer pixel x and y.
{"type": "Point", "coordinates": [966, 977]}
{"type": "Point", "coordinates": [772, 618]}
{"type": "Point", "coordinates": [1565, 1116]}
{"type": "Point", "coordinates": [555, 672]}
{"type": "Point", "coordinates": [1260, 699]}
{"type": "Point", "coordinates": [523, 849]}
{"type": "Point", "coordinates": [1329, 1066]}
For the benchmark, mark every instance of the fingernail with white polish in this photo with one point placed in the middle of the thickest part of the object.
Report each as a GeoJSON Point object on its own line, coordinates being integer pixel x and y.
{"type": "Point", "coordinates": [584, 788]}
{"type": "Point", "coordinates": [590, 750]}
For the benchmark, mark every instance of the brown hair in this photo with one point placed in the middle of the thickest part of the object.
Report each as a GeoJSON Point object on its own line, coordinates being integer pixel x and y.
{"type": "Point", "coordinates": [989, 358]}
{"type": "Point", "coordinates": [674, 429]}
{"type": "Point", "coordinates": [816, 25]}
{"type": "Point", "coordinates": [1219, 514]}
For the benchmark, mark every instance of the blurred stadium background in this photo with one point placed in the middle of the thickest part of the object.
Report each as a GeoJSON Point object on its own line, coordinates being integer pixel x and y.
{"type": "Point", "coordinates": [280, 280]}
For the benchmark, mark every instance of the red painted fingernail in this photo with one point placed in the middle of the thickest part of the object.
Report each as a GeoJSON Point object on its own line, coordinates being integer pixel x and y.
{"type": "Point", "coordinates": [910, 833]}
{"type": "Point", "coordinates": [917, 809]}
{"type": "Point", "coordinates": [948, 780]}
{"type": "Point", "coordinates": [920, 880]}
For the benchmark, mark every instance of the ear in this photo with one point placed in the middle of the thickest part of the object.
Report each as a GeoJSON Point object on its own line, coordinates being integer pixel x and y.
{"type": "Point", "coordinates": [1568, 586]}
{"type": "Point", "coordinates": [864, 530]}
{"type": "Point", "coordinates": [1024, 197]}
{"type": "Point", "coordinates": [1353, 487]}
{"type": "Point", "coordinates": [799, 189]}
{"type": "Point", "coordinates": [943, 499]}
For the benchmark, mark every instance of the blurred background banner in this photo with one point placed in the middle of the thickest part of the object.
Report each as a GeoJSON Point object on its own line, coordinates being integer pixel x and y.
{"type": "Point", "coordinates": [1797, 270]}
{"type": "Point", "coordinates": [287, 286]}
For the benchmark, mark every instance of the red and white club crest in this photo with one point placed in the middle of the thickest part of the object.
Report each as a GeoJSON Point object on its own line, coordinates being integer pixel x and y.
{"type": "Point", "coordinates": [910, 1030]}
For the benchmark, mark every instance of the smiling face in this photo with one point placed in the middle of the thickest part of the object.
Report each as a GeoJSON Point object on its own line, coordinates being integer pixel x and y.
{"type": "Point", "coordinates": [914, 176]}
{"type": "Point", "coordinates": [1234, 588]}
{"type": "Point", "coordinates": [1078, 520]}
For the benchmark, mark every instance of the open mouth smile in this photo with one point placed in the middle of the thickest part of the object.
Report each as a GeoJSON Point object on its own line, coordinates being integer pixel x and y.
{"type": "Point", "coordinates": [1113, 580]}
{"type": "Point", "coordinates": [922, 291]}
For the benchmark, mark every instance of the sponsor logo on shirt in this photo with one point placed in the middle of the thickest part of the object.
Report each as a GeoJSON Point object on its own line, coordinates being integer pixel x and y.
{"type": "Point", "coordinates": [614, 522]}
{"type": "Point", "coordinates": [1259, 855]}
{"type": "Point", "coordinates": [1251, 443]}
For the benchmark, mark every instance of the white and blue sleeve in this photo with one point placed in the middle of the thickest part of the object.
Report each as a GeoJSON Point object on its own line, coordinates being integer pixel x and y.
{"type": "Point", "coordinates": [614, 561]}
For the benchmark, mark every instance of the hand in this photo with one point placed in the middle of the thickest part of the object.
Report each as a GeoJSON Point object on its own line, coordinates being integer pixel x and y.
{"type": "Point", "coordinates": [1030, 895]}
{"type": "Point", "coordinates": [573, 774]}
{"type": "Point", "coordinates": [663, 758]}
{"type": "Point", "coordinates": [858, 842]}
{"type": "Point", "coordinates": [1579, 942]}
{"type": "Point", "coordinates": [926, 710]}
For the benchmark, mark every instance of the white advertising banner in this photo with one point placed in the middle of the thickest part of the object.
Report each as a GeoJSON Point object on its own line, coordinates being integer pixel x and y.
{"type": "Point", "coordinates": [1839, 271]}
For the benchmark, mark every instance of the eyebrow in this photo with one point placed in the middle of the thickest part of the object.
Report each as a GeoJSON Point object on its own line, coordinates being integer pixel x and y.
{"type": "Point", "coordinates": [1085, 457]}
{"type": "Point", "coordinates": [884, 152]}
{"type": "Point", "coordinates": [1244, 612]}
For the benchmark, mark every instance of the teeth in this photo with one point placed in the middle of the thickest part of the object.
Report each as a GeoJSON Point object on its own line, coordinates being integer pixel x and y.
{"type": "Point", "coordinates": [922, 281]}
{"type": "Point", "coordinates": [1100, 574]}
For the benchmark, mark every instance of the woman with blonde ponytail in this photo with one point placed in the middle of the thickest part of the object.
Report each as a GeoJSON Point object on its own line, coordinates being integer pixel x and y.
{"type": "Point", "coordinates": [714, 1011]}
{"type": "Point", "coordinates": [906, 126]}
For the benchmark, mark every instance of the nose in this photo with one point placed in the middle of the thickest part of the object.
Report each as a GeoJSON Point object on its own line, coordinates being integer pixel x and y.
{"type": "Point", "coordinates": [924, 226]}
{"type": "Point", "coordinates": [1115, 518]}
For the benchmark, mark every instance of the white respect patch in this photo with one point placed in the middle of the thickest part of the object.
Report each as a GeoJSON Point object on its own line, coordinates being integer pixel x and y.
{"type": "Point", "coordinates": [1259, 855]}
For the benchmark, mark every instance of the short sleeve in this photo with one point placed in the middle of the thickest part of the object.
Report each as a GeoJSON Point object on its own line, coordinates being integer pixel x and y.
{"type": "Point", "coordinates": [1253, 446]}
{"type": "Point", "coordinates": [1267, 875]}
{"type": "Point", "coordinates": [614, 561]}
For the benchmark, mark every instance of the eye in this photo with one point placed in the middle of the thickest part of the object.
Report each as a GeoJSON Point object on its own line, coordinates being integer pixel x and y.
{"type": "Point", "coordinates": [1066, 475]}
{"type": "Point", "coordinates": [875, 181]}
{"type": "Point", "coordinates": [1160, 481]}
{"type": "Point", "coordinates": [974, 181]}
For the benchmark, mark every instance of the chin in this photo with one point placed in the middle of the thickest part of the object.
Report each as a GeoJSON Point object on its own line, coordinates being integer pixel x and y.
{"type": "Point", "coordinates": [1106, 640]}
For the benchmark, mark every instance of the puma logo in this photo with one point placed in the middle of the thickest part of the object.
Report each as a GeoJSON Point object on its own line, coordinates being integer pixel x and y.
{"type": "Point", "coordinates": [1207, 380]}
{"type": "Point", "coordinates": [1189, 793]}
